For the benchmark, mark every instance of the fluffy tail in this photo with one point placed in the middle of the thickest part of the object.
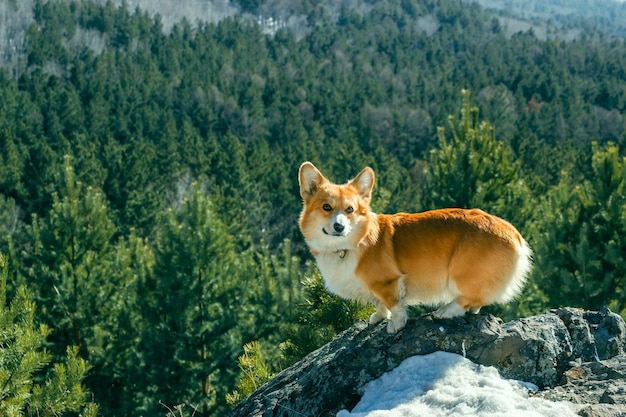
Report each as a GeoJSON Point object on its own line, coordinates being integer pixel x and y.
{"type": "Point", "coordinates": [520, 272]}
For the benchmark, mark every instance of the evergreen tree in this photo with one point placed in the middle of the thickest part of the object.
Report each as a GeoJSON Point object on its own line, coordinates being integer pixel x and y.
{"type": "Point", "coordinates": [579, 231]}
{"type": "Point", "coordinates": [114, 349]}
{"type": "Point", "coordinates": [31, 384]}
{"type": "Point", "coordinates": [255, 372]}
{"type": "Point", "coordinates": [321, 317]}
{"type": "Point", "coordinates": [193, 309]}
{"type": "Point", "coordinates": [10, 225]}
{"type": "Point", "coordinates": [68, 266]}
{"type": "Point", "coordinates": [474, 169]}
{"type": "Point", "coordinates": [11, 165]}
{"type": "Point", "coordinates": [85, 283]}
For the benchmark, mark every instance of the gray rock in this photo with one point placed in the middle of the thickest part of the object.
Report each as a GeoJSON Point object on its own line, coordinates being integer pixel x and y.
{"type": "Point", "coordinates": [583, 345]}
{"type": "Point", "coordinates": [609, 332]}
{"type": "Point", "coordinates": [550, 350]}
{"type": "Point", "coordinates": [598, 388]}
{"type": "Point", "coordinates": [535, 349]}
{"type": "Point", "coordinates": [602, 410]}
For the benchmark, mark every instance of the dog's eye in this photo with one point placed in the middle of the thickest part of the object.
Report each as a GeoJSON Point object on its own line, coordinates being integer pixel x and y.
{"type": "Point", "coordinates": [350, 210]}
{"type": "Point", "coordinates": [327, 207]}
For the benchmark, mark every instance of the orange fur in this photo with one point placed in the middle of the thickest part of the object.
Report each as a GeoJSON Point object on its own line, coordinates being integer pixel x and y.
{"type": "Point", "coordinates": [465, 258]}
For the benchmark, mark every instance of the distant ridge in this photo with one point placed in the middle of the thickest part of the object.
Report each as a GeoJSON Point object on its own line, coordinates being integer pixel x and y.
{"type": "Point", "coordinates": [566, 19]}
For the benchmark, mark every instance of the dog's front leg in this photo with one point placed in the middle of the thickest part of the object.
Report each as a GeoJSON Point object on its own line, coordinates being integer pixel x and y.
{"type": "Point", "coordinates": [399, 318]}
{"type": "Point", "coordinates": [391, 302]}
{"type": "Point", "coordinates": [382, 313]}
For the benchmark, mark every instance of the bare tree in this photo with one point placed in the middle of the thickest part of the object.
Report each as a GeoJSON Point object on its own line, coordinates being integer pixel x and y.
{"type": "Point", "coordinates": [15, 17]}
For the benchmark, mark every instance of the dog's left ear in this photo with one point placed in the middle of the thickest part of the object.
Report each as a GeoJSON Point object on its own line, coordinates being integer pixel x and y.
{"type": "Point", "coordinates": [310, 179]}
{"type": "Point", "coordinates": [364, 183]}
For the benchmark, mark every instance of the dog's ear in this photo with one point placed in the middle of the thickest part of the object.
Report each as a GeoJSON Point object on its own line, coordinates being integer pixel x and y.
{"type": "Point", "coordinates": [364, 183]}
{"type": "Point", "coordinates": [310, 179]}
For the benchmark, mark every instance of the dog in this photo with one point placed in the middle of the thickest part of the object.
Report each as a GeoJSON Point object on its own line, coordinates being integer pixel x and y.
{"type": "Point", "coordinates": [465, 258]}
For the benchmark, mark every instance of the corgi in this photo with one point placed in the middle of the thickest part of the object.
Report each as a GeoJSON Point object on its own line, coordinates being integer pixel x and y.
{"type": "Point", "coordinates": [465, 258]}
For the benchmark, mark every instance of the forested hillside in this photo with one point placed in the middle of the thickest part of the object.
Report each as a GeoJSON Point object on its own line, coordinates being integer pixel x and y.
{"type": "Point", "coordinates": [148, 187]}
{"type": "Point", "coordinates": [563, 18]}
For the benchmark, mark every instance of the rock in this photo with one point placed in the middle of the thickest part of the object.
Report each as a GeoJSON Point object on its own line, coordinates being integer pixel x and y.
{"type": "Point", "coordinates": [599, 387]}
{"type": "Point", "coordinates": [556, 348]}
{"type": "Point", "coordinates": [609, 332]}
{"type": "Point", "coordinates": [535, 349]}
{"type": "Point", "coordinates": [595, 335]}
{"type": "Point", "coordinates": [614, 394]}
{"type": "Point", "coordinates": [601, 410]}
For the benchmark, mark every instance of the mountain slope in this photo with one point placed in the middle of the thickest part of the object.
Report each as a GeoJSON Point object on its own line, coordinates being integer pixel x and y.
{"type": "Point", "coordinates": [563, 19]}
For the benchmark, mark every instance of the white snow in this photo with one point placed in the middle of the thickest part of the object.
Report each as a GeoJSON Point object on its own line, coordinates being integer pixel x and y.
{"type": "Point", "coordinates": [448, 385]}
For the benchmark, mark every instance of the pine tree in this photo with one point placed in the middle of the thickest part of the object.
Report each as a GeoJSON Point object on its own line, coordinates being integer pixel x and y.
{"type": "Point", "coordinates": [31, 384]}
{"type": "Point", "coordinates": [85, 283]}
{"type": "Point", "coordinates": [474, 169]}
{"type": "Point", "coordinates": [10, 225]}
{"type": "Point", "coordinates": [255, 372]}
{"type": "Point", "coordinates": [114, 347]}
{"type": "Point", "coordinates": [192, 307]}
{"type": "Point", "coordinates": [579, 233]}
{"type": "Point", "coordinates": [321, 317]}
{"type": "Point", "coordinates": [11, 165]}
{"type": "Point", "coordinates": [68, 267]}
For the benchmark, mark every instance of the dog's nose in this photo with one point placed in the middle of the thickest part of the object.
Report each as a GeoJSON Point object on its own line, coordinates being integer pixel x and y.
{"type": "Point", "coordinates": [338, 227]}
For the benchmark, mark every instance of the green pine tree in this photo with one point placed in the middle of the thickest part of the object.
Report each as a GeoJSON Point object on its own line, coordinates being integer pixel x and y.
{"type": "Point", "coordinates": [114, 344]}
{"type": "Point", "coordinates": [321, 317]}
{"type": "Point", "coordinates": [85, 283]}
{"type": "Point", "coordinates": [31, 384]}
{"type": "Point", "coordinates": [473, 169]}
{"type": "Point", "coordinates": [69, 265]}
{"type": "Point", "coordinates": [193, 307]}
{"type": "Point", "coordinates": [10, 225]}
{"type": "Point", "coordinates": [579, 233]}
{"type": "Point", "coordinates": [255, 371]}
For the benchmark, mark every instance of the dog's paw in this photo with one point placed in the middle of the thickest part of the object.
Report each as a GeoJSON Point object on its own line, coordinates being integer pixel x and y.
{"type": "Point", "coordinates": [379, 316]}
{"type": "Point", "coordinates": [449, 311]}
{"type": "Point", "coordinates": [397, 322]}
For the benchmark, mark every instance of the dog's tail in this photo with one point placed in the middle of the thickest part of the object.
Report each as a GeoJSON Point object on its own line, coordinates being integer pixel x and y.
{"type": "Point", "coordinates": [520, 273]}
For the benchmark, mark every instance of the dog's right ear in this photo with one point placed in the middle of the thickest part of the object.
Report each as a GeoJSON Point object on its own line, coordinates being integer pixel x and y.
{"type": "Point", "coordinates": [310, 179]}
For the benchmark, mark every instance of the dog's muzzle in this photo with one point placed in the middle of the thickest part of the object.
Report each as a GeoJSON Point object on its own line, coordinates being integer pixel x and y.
{"type": "Point", "coordinates": [341, 226]}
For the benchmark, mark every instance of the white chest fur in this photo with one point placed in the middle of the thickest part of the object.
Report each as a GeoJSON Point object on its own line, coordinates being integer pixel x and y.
{"type": "Point", "coordinates": [339, 275]}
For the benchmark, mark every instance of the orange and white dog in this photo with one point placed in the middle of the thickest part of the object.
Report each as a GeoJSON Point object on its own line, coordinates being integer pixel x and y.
{"type": "Point", "coordinates": [465, 258]}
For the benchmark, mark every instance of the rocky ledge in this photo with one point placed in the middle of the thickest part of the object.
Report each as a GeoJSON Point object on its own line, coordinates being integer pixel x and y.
{"type": "Point", "coordinates": [570, 354]}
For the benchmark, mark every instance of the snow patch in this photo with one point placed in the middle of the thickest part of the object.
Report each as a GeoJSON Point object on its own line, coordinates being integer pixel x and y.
{"type": "Point", "coordinates": [445, 384]}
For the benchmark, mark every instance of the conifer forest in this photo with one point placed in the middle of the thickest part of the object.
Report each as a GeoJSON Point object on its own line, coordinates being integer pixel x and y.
{"type": "Point", "coordinates": [151, 260]}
